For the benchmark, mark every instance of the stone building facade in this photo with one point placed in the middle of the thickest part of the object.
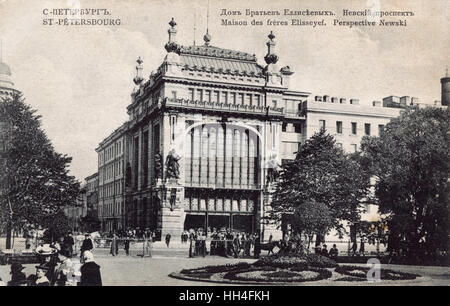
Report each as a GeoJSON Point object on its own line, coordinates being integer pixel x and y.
{"type": "Point", "coordinates": [207, 132]}
{"type": "Point", "coordinates": [111, 182]}
{"type": "Point", "coordinates": [92, 195]}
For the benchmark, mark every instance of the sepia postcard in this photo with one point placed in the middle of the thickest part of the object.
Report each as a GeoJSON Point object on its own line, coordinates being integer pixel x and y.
{"type": "Point", "coordinates": [210, 143]}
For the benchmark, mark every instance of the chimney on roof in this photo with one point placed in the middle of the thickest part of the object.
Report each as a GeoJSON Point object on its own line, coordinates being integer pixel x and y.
{"type": "Point", "coordinates": [326, 98]}
{"type": "Point", "coordinates": [343, 100]}
{"type": "Point", "coordinates": [334, 100]}
{"type": "Point", "coordinates": [354, 101]}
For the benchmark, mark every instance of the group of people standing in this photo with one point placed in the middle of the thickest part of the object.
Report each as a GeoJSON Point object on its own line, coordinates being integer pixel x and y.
{"type": "Point", "coordinates": [223, 242]}
{"type": "Point", "coordinates": [59, 267]}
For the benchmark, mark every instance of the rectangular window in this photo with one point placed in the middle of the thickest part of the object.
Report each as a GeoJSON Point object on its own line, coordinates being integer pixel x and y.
{"type": "Point", "coordinates": [339, 127]}
{"type": "Point", "coordinates": [257, 100]}
{"type": "Point", "coordinates": [274, 103]}
{"type": "Point", "coordinates": [241, 99]}
{"type": "Point", "coordinates": [367, 129]}
{"type": "Point", "coordinates": [224, 97]}
{"type": "Point", "coordinates": [216, 97]}
{"type": "Point", "coordinates": [174, 94]}
{"type": "Point", "coordinates": [200, 94]}
{"type": "Point", "coordinates": [191, 94]}
{"type": "Point", "coordinates": [322, 125]}
{"type": "Point", "coordinates": [354, 147]}
{"type": "Point", "coordinates": [354, 128]}
{"type": "Point", "coordinates": [380, 129]}
{"type": "Point", "coordinates": [248, 99]}
{"type": "Point", "coordinates": [207, 95]}
{"type": "Point", "coordinates": [298, 128]}
{"type": "Point", "coordinates": [283, 127]}
{"type": "Point", "coordinates": [233, 98]}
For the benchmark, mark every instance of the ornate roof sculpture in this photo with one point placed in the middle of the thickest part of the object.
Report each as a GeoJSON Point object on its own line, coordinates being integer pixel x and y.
{"type": "Point", "coordinates": [271, 57]}
{"type": "Point", "coordinates": [4, 69]}
{"type": "Point", "coordinates": [172, 45]}
{"type": "Point", "coordinates": [208, 58]}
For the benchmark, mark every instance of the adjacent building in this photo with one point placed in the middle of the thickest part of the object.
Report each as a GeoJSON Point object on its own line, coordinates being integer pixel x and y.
{"type": "Point", "coordinates": [111, 182]}
{"type": "Point", "coordinates": [92, 195]}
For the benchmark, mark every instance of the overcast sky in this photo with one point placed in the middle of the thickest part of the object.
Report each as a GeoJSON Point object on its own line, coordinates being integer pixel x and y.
{"type": "Point", "coordinates": [79, 78]}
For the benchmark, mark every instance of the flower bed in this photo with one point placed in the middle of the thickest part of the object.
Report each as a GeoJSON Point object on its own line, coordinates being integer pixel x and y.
{"type": "Point", "coordinates": [302, 261]}
{"type": "Point", "coordinates": [361, 272]}
{"type": "Point", "coordinates": [216, 269]}
{"type": "Point", "coordinates": [350, 279]}
{"type": "Point", "coordinates": [273, 274]}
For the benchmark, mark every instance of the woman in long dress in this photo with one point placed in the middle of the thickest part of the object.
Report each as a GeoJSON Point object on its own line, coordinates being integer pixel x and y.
{"type": "Point", "coordinates": [114, 246]}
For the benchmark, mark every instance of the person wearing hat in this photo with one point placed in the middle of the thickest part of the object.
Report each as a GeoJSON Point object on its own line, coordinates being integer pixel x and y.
{"type": "Point", "coordinates": [90, 271]}
{"type": "Point", "coordinates": [16, 274]}
{"type": "Point", "coordinates": [87, 245]}
{"type": "Point", "coordinates": [324, 251]}
{"type": "Point", "coordinates": [49, 260]}
{"type": "Point", "coordinates": [64, 269]}
{"type": "Point", "coordinates": [68, 244]}
{"type": "Point", "coordinates": [41, 279]}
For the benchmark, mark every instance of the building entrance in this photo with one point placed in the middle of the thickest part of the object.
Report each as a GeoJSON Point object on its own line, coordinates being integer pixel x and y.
{"type": "Point", "coordinates": [194, 222]}
{"type": "Point", "coordinates": [243, 223]}
{"type": "Point", "coordinates": [219, 221]}
{"type": "Point", "coordinates": [238, 222]}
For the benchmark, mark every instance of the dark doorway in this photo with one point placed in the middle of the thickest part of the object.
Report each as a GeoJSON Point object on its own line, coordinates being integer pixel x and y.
{"type": "Point", "coordinates": [218, 221]}
{"type": "Point", "coordinates": [194, 222]}
{"type": "Point", "coordinates": [243, 223]}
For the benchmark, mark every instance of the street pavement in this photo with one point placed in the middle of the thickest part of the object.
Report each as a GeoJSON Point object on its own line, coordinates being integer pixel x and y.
{"type": "Point", "coordinates": [134, 270]}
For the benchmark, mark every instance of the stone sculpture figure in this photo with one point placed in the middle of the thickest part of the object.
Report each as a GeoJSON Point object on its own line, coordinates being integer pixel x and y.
{"type": "Point", "coordinates": [172, 166]}
{"type": "Point", "coordinates": [272, 169]}
{"type": "Point", "coordinates": [158, 166]}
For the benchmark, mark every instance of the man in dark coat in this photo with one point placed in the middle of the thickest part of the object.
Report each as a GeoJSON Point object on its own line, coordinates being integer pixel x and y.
{"type": "Point", "coordinates": [87, 245]}
{"type": "Point", "coordinates": [68, 244]}
{"type": "Point", "coordinates": [17, 275]}
{"type": "Point", "coordinates": [257, 243]}
{"type": "Point", "coordinates": [168, 239]}
{"type": "Point", "coordinates": [90, 271]}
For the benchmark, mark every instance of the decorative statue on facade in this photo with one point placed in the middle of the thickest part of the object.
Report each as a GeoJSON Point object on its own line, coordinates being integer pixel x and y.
{"type": "Point", "coordinates": [173, 168]}
{"type": "Point", "coordinates": [158, 166]}
{"type": "Point", "coordinates": [272, 169]}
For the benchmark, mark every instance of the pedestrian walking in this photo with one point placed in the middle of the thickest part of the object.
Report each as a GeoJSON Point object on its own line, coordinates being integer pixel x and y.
{"type": "Point", "coordinates": [147, 245]}
{"type": "Point", "coordinates": [127, 246]}
{"type": "Point", "coordinates": [168, 239]}
{"type": "Point", "coordinates": [361, 247]}
{"type": "Point", "coordinates": [90, 271]}
{"type": "Point", "coordinates": [114, 250]}
{"type": "Point", "coordinates": [68, 244]}
{"type": "Point", "coordinates": [257, 248]}
{"type": "Point", "coordinates": [86, 246]}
